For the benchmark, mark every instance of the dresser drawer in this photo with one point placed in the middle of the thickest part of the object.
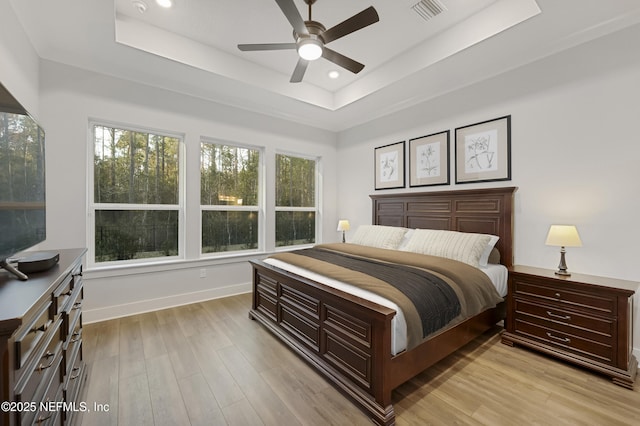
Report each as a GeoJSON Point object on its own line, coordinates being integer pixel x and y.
{"type": "Point", "coordinates": [47, 364]}
{"type": "Point", "coordinates": [72, 314]}
{"type": "Point", "coordinates": [550, 316]}
{"type": "Point", "coordinates": [49, 408]}
{"type": "Point", "coordinates": [72, 349]}
{"type": "Point", "coordinates": [72, 391]}
{"type": "Point", "coordinates": [61, 294]}
{"type": "Point", "coordinates": [31, 334]}
{"type": "Point", "coordinates": [566, 296]}
{"type": "Point", "coordinates": [601, 352]}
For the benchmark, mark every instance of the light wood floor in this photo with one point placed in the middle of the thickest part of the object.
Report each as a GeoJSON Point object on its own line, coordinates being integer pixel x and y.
{"type": "Point", "coordinates": [209, 364]}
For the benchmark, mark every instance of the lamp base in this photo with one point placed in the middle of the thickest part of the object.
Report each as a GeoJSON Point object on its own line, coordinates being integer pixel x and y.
{"type": "Point", "coordinates": [562, 267]}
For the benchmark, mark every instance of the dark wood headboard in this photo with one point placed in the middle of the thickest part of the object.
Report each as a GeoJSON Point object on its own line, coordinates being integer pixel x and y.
{"type": "Point", "coordinates": [484, 211]}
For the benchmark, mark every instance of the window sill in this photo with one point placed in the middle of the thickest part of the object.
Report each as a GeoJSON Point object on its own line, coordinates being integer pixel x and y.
{"type": "Point", "coordinates": [177, 264]}
{"type": "Point", "coordinates": [167, 265]}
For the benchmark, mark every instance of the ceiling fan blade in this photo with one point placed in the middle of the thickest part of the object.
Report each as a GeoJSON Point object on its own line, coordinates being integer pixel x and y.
{"type": "Point", "coordinates": [341, 60]}
{"type": "Point", "coordinates": [290, 10]}
{"type": "Point", "coordinates": [356, 22]}
{"type": "Point", "coordinates": [266, 46]}
{"type": "Point", "coordinates": [299, 71]}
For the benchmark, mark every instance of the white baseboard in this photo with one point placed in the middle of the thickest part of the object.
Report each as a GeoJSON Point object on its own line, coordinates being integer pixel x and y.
{"type": "Point", "coordinates": [111, 312]}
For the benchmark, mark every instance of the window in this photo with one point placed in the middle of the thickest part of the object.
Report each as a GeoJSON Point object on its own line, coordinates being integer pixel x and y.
{"type": "Point", "coordinates": [229, 197]}
{"type": "Point", "coordinates": [296, 200]}
{"type": "Point", "coordinates": [136, 199]}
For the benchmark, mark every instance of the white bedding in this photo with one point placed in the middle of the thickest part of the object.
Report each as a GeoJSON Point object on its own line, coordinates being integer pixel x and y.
{"type": "Point", "coordinates": [497, 273]}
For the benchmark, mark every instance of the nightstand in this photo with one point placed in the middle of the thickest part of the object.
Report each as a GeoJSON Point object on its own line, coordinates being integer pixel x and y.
{"type": "Point", "coordinates": [580, 318]}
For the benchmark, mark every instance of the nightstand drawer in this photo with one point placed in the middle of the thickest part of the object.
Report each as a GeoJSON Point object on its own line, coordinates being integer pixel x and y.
{"type": "Point", "coordinates": [566, 296]}
{"type": "Point", "coordinates": [595, 328]}
{"type": "Point", "coordinates": [567, 342]}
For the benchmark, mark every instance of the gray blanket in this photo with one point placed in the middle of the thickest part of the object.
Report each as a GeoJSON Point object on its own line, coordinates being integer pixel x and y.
{"type": "Point", "coordinates": [436, 302]}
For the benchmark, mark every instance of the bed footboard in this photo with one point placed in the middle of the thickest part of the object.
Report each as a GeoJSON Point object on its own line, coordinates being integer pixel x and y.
{"type": "Point", "coordinates": [346, 338]}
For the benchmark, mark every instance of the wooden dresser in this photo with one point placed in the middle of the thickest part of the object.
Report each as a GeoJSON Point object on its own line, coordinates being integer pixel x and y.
{"type": "Point", "coordinates": [42, 371]}
{"type": "Point", "coordinates": [582, 319]}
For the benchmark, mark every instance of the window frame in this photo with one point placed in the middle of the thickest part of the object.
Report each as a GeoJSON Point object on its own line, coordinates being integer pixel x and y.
{"type": "Point", "coordinates": [317, 209]}
{"type": "Point", "coordinates": [259, 209]}
{"type": "Point", "coordinates": [93, 206]}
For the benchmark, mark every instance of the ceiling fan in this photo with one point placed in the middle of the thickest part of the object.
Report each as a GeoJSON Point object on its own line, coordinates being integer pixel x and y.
{"type": "Point", "coordinates": [311, 38]}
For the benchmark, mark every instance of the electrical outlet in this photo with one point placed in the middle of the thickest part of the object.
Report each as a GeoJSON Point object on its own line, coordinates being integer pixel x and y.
{"type": "Point", "coordinates": [203, 273]}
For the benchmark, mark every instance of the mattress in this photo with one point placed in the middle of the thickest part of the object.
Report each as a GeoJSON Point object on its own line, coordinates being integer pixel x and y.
{"type": "Point", "coordinates": [497, 274]}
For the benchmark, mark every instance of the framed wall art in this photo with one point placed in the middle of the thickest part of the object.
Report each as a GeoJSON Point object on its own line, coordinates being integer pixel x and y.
{"type": "Point", "coordinates": [389, 166]}
{"type": "Point", "coordinates": [429, 160]}
{"type": "Point", "coordinates": [483, 151]}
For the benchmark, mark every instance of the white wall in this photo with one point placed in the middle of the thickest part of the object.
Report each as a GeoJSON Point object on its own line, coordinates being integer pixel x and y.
{"type": "Point", "coordinates": [18, 61]}
{"type": "Point", "coordinates": [70, 97]}
{"type": "Point", "coordinates": [575, 153]}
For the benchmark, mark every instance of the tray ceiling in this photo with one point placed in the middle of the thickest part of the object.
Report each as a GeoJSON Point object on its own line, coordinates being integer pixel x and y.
{"type": "Point", "coordinates": [191, 48]}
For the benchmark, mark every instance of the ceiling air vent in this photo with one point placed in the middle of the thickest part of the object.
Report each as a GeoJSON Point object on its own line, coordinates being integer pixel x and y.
{"type": "Point", "coordinates": [428, 9]}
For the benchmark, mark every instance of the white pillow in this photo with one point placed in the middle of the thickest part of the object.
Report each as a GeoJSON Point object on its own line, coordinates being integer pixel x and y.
{"type": "Point", "coordinates": [405, 240]}
{"type": "Point", "coordinates": [387, 237]}
{"type": "Point", "coordinates": [484, 259]}
{"type": "Point", "coordinates": [461, 246]}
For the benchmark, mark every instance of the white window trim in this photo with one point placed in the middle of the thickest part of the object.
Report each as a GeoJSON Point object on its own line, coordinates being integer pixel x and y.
{"type": "Point", "coordinates": [92, 206]}
{"type": "Point", "coordinates": [318, 200]}
{"type": "Point", "coordinates": [259, 209]}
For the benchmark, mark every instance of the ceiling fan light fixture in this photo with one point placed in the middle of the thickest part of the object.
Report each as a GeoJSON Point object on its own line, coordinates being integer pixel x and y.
{"type": "Point", "coordinates": [310, 49]}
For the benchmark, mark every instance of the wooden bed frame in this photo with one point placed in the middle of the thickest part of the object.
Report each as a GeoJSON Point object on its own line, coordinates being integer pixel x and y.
{"type": "Point", "coordinates": [348, 339]}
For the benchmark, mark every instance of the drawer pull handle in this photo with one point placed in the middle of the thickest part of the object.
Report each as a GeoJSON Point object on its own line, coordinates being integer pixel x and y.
{"type": "Point", "coordinates": [76, 306]}
{"type": "Point", "coordinates": [75, 337]}
{"type": "Point", "coordinates": [562, 339]}
{"type": "Point", "coordinates": [557, 295]}
{"type": "Point", "coordinates": [562, 317]}
{"type": "Point", "coordinates": [43, 327]}
{"type": "Point", "coordinates": [77, 375]}
{"type": "Point", "coordinates": [44, 367]}
{"type": "Point", "coordinates": [44, 419]}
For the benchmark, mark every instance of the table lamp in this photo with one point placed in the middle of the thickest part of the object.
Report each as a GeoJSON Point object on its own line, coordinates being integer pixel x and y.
{"type": "Point", "coordinates": [563, 236]}
{"type": "Point", "coordinates": [343, 225]}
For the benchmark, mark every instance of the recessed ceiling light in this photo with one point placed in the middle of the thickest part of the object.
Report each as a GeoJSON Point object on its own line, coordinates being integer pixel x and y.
{"type": "Point", "coordinates": [165, 3]}
{"type": "Point", "coordinates": [139, 5]}
{"type": "Point", "coordinates": [334, 74]}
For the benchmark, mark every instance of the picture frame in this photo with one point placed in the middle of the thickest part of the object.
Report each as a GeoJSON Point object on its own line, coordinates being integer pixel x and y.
{"type": "Point", "coordinates": [429, 160]}
{"type": "Point", "coordinates": [389, 166]}
{"type": "Point", "coordinates": [483, 151]}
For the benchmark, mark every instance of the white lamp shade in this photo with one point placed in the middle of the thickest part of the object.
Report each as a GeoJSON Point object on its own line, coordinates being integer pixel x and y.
{"type": "Point", "coordinates": [564, 236]}
{"type": "Point", "coordinates": [343, 225]}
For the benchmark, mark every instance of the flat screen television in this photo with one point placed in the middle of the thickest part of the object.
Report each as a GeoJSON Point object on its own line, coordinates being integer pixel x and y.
{"type": "Point", "coordinates": [22, 181]}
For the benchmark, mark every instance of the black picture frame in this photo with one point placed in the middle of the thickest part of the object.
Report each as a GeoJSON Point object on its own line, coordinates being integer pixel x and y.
{"type": "Point", "coordinates": [429, 159]}
{"type": "Point", "coordinates": [483, 151]}
{"type": "Point", "coordinates": [389, 166]}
